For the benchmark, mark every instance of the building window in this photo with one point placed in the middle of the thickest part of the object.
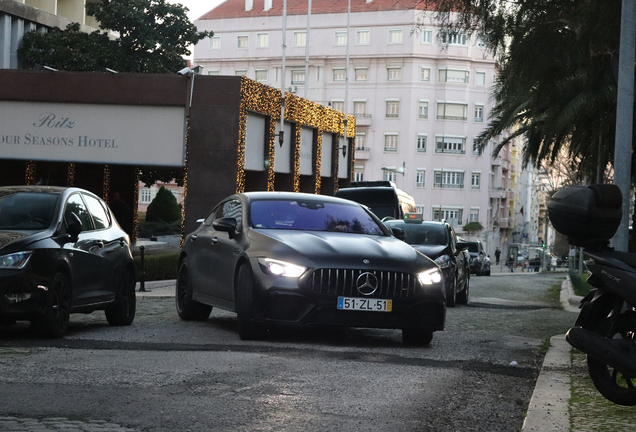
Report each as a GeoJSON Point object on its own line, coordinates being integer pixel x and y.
{"type": "Point", "coordinates": [475, 180]}
{"type": "Point", "coordinates": [215, 42]}
{"type": "Point", "coordinates": [420, 178]}
{"type": "Point", "coordinates": [474, 215]}
{"type": "Point", "coordinates": [419, 209]}
{"type": "Point", "coordinates": [454, 216]}
{"type": "Point", "coordinates": [261, 75]}
{"type": "Point", "coordinates": [240, 72]}
{"type": "Point", "coordinates": [427, 36]}
{"type": "Point", "coordinates": [449, 179]}
{"type": "Point", "coordinates": [339, 74]}
{"type": "Point", "coordinates": [363, 37]}
{"type": "Point", "coordinates": [452, 75]}
{"type": "Point", "coordinates": [389, 176]}
{"type": "Point", "coordinates": [421, 143]}
{"type": "Point", "coordinates": [394, 73]}
{"type": "Point", "coordinates": [298, 76]}
{"type": "Point", "coordinates": [455, 38]}
{"type": "Point", "coordinates": [300, 38]}
{"type": "Point", "coordinates": [358, 176]}
{"type": "Point", "coordinates": [425, 74]}
{"type": "Point", "coordinates": [446, 144]}
{"type": "Point", "coordinates": [422, 110]}
{"type": "Point", "coordinates": [262, 40]}
{"type": "Point", "coordinates": [480, 78]}
{"type": "Point", "coordinates": [390, 142]}
{"type": "Point", "coordinates": [338, 105]}
{"type": "Point", "coordinates": [392, 109]}
{"type": "Point", "coordinates": [360, 108]}
{"type": "Point", "coordinates": [479, 113]}
{"type": "Point", "coordinates": [476, 147]}
{"type": "Point", "coordinates": [361, 140]}
{"type": "Point", "coordinates": [395, 36]}
{"type": "Point", "coordinates": [341, 37]}
{"type": "Point", "coordinates": [451, 111]}
{"type": "Point", "coordinates": [145, 196]}
{"type": "Point", "coordinates": [242, 41]}
{"type": "Point", "coordinates": [361, 74]}
{"type": "Point", "coordinates": [214, 72]}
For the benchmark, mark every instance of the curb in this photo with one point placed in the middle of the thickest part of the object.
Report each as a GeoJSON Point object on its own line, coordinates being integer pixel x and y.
{"type": "Point", "coordinates": [156, 289]}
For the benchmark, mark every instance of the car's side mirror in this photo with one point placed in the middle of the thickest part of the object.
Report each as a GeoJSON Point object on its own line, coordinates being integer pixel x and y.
{"type": "Point", "coordinates": [461, 245]}
{"type": "Point", "coordinates": [73, 225]}
{"type": "Point", "coordinates": [227, 225]}
{"type": "Point", "coordinates": [398, 233]}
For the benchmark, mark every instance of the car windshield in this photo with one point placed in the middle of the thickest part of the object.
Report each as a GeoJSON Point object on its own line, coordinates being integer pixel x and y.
{"type": "Point", "coordinates": [313, 215]}
{"type": "Point", "coordinates": [419, 234]}
{"type": "Point", "coordinates": [473, 247]}
{"type": "Point", "coordinates": [24, 211]}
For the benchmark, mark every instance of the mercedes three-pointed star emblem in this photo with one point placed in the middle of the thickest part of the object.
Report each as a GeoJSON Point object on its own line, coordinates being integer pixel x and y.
{"type": "Point", "coordinates": [367, 283]}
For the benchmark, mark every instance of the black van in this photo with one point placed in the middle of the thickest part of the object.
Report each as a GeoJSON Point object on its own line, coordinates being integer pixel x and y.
{"type": "Point", "coordinates": [382, 197]}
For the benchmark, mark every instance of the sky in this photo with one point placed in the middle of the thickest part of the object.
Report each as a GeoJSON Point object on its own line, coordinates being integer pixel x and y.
{"type": "Point", "coordinates": [197, 7]}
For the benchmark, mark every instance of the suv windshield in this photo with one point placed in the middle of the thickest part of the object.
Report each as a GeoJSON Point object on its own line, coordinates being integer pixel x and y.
{"type": "Point", "coordinates": [313, 215]}
{"type": "Point", "coordinates": [473, 247]}
{"type": "Point", "coordinates": [27, 211]}
{"type": "Point", "coordinates": [420, 234]}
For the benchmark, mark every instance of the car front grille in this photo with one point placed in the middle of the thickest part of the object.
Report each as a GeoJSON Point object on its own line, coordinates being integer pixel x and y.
{"type": "Point", "coordinates": [342, 282]}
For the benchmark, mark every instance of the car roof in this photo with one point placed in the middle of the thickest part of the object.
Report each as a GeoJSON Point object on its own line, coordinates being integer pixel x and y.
{"type": "Point", "coordinates": [262, 195]}
{"type": "Point", "coordinates": [33, 188]}
{"type": "Point", "coordinates": [425, 223]}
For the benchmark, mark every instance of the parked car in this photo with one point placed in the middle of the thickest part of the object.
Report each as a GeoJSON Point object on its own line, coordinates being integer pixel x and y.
{"type": "Point", "coordinates": [61, 251]}
{"type": "Point", "coordinates": [487, 266]}
{"type": "Point", "coordinates": [466, 258]}
{"type": "Point", "coordinates": [295, 259]}
{"type": "Point", "coordinates": [438, 241]}
{"type": "Point", "coordinates": [477, 258]}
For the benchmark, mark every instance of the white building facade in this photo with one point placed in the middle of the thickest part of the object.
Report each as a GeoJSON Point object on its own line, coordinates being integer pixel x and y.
{"type": "Point", "coordinates": [419, 97]}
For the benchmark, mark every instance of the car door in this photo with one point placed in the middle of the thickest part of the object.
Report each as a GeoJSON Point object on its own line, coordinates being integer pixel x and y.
{"type": "Point", "coordinates": [214, 253]}
{"type": "Point", "coordinates": [84, 254]}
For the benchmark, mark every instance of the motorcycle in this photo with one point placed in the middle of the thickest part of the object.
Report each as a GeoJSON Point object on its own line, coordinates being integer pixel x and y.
{"type": "Point", "coordinates": [605, 329]}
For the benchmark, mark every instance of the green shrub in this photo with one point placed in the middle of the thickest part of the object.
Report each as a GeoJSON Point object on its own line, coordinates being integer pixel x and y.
{"type": "Point", "coordinates": [158, 267]}
{"type": "Point", "coordinates": [148, 229]}
{"type": "Point", "coordinates": [579, 283]}
{"type": "Point", "coordinates": [164, 207]}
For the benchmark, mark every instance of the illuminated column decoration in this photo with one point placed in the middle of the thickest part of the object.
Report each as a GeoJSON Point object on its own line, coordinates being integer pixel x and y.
{"type": "Point", "coordinates": [135, 227]}
{"type": "Point", "coordinates": [30, 170]}
{"type": "Point", "coordinates": [106, 184]}
{"type": "Point", "coordinates": [297, 140]}
{"type": "Point", "coordinates": [70, 174]}
{"type": "Point", "coordinates": [351, 129]}
{"type": "Point", "coordinates": [185, 180]}
{"type": "Point", "coordinates": [271, 175]}
{"type": "Point", "coordinates": [318, 161]}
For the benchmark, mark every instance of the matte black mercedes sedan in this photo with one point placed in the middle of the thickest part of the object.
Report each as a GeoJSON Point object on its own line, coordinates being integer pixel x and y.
{"type": "Point", "coordinates": [283, 258]}
{"type": "Point", "coordinates": [62, 251]}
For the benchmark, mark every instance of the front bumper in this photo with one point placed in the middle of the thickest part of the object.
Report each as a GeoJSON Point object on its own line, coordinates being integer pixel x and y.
{"type": "Point", "coordinates": [22, 296]}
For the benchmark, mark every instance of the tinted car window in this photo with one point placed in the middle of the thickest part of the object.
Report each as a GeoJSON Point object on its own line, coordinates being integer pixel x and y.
{"type": "Point", "coordinates": [76, 205]}
{"type": "Point", "coordinates": [27, 211]}
{"type": "Point", "coordinates": [473, 247]}
{"type": "Point", "coordinates": [100, 218]}
{"type": "Point", "coordinates": [417, 234]}
{"type": "Point", "coordinates": [312, 216]}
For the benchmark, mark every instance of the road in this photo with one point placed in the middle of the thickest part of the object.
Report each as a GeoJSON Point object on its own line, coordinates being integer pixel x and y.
{"type": "Point", "coordinates": [163, 374]}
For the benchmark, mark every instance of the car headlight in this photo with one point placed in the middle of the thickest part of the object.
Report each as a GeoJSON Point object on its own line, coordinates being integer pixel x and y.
{"type": "Point", "coordinates": [280, 268]}
{"type": "Point", "coordinates": [14, 261]}
{"type": "Point", "coordinates": [430, 277]}
{"type": "Point", "coordinates": [443, 261]}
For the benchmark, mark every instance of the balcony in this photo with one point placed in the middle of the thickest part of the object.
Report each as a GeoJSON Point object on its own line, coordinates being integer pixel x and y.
{"type": "Point", "coordinates": [362, 153]}
{"type": "Point", "coordinates": [363, 119]}
{"type": "Point", "coordinates": [503, 223]}
{"type": "Point", "coordinates": [497, 192]}
{"type": "Point", "coordinates": [510, 194]}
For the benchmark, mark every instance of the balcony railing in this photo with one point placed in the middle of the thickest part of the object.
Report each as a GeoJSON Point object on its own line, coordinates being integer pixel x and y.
{"type": "Point", "coordinates": [449, 185]}
{"type": "Point", "coordinates": [451, 118]}
{"type": "Point", "coordinates": [453, 151]}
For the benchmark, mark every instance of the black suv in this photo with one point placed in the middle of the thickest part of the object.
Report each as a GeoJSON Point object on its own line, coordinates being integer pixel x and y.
{"type": "Point", "coordinates": [478, 264]}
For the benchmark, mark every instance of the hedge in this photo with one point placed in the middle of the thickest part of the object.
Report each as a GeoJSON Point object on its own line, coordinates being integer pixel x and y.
{"type": "Point", "coordinates": [158, 267]}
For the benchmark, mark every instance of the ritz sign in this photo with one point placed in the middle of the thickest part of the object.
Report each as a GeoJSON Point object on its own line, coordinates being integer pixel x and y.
{"type": "Point", "coordinates": [117, 134]}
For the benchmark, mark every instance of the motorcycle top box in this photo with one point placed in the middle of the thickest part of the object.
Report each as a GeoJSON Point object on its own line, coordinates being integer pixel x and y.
{"type": "Point", "coordinates": [587, 214]}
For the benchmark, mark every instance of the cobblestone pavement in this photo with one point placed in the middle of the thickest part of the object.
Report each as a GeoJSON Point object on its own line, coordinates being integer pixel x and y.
{"type": "Point", "coordinates": [58, 424]}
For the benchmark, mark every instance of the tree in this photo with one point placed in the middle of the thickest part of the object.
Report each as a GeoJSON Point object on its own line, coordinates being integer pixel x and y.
{"type": "Point", "coordinates": [555, 85]}
{"type": "Point", "coordinates": [152, 37]}
{"type": "Point", "coordinates": [473, 227]}
{"type": "Point", "coordinates": [164, 207]}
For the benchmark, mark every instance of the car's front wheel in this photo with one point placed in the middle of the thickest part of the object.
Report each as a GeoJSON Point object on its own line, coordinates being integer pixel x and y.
{"type": "Point", "coordinates": [247, 329]}
{"type": "Point", "coordinates": [54, 322]}
{"type": "Point", "coordinates": [462, 296]}
{"type": "Point", "coordinates": [412, 336]}
{"type": "Point", "coordinates": [122, 313]}
{"type": "Point", "coordinates": [188, 309]}
{"type": "Point", "coordinates": [451, 292]}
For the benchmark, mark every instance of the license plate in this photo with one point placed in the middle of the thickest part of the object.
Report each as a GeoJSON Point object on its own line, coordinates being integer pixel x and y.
{"type": "Point", "coordinates": [362, 304]}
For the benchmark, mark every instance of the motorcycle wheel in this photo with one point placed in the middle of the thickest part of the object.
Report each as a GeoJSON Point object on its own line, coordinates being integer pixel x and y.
{"type": "Point", "coordinates": [611, 383]}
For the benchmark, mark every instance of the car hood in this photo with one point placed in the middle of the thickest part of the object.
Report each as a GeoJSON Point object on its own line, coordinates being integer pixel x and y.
{"type": "Point", "coordinates": [431, 251]}
{"type": "Point", "coordinates": [338, 250]}
{"type": "Point", "coordinates": [10, 240]}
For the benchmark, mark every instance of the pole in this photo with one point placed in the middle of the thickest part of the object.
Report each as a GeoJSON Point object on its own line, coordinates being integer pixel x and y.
{"type": "Point", "coordinates": [142, 273]}
{"type": "Point", "coordinates": [347, 71]}
{"type": "Point", "coordinates": [624, 118]}
{"type": "Point", "coordinates": [307, 48]}
{"type": "Point", "coordinates": [281, 139]}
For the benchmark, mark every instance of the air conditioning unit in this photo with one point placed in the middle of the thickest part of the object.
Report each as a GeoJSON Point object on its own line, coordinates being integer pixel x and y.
{"type": "Point", "coordinates": [292, 89]}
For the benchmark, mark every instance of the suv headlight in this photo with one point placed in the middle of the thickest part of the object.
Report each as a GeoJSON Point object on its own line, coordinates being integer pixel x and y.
{"type": "Point", "coordinates": [429, 277]}
{"type": "Point", "coordinates": [15, 261]}
{"type": "Point", "coordinates": [443, 261]}
{"type": "Point", "coordinates": [280, 268]}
